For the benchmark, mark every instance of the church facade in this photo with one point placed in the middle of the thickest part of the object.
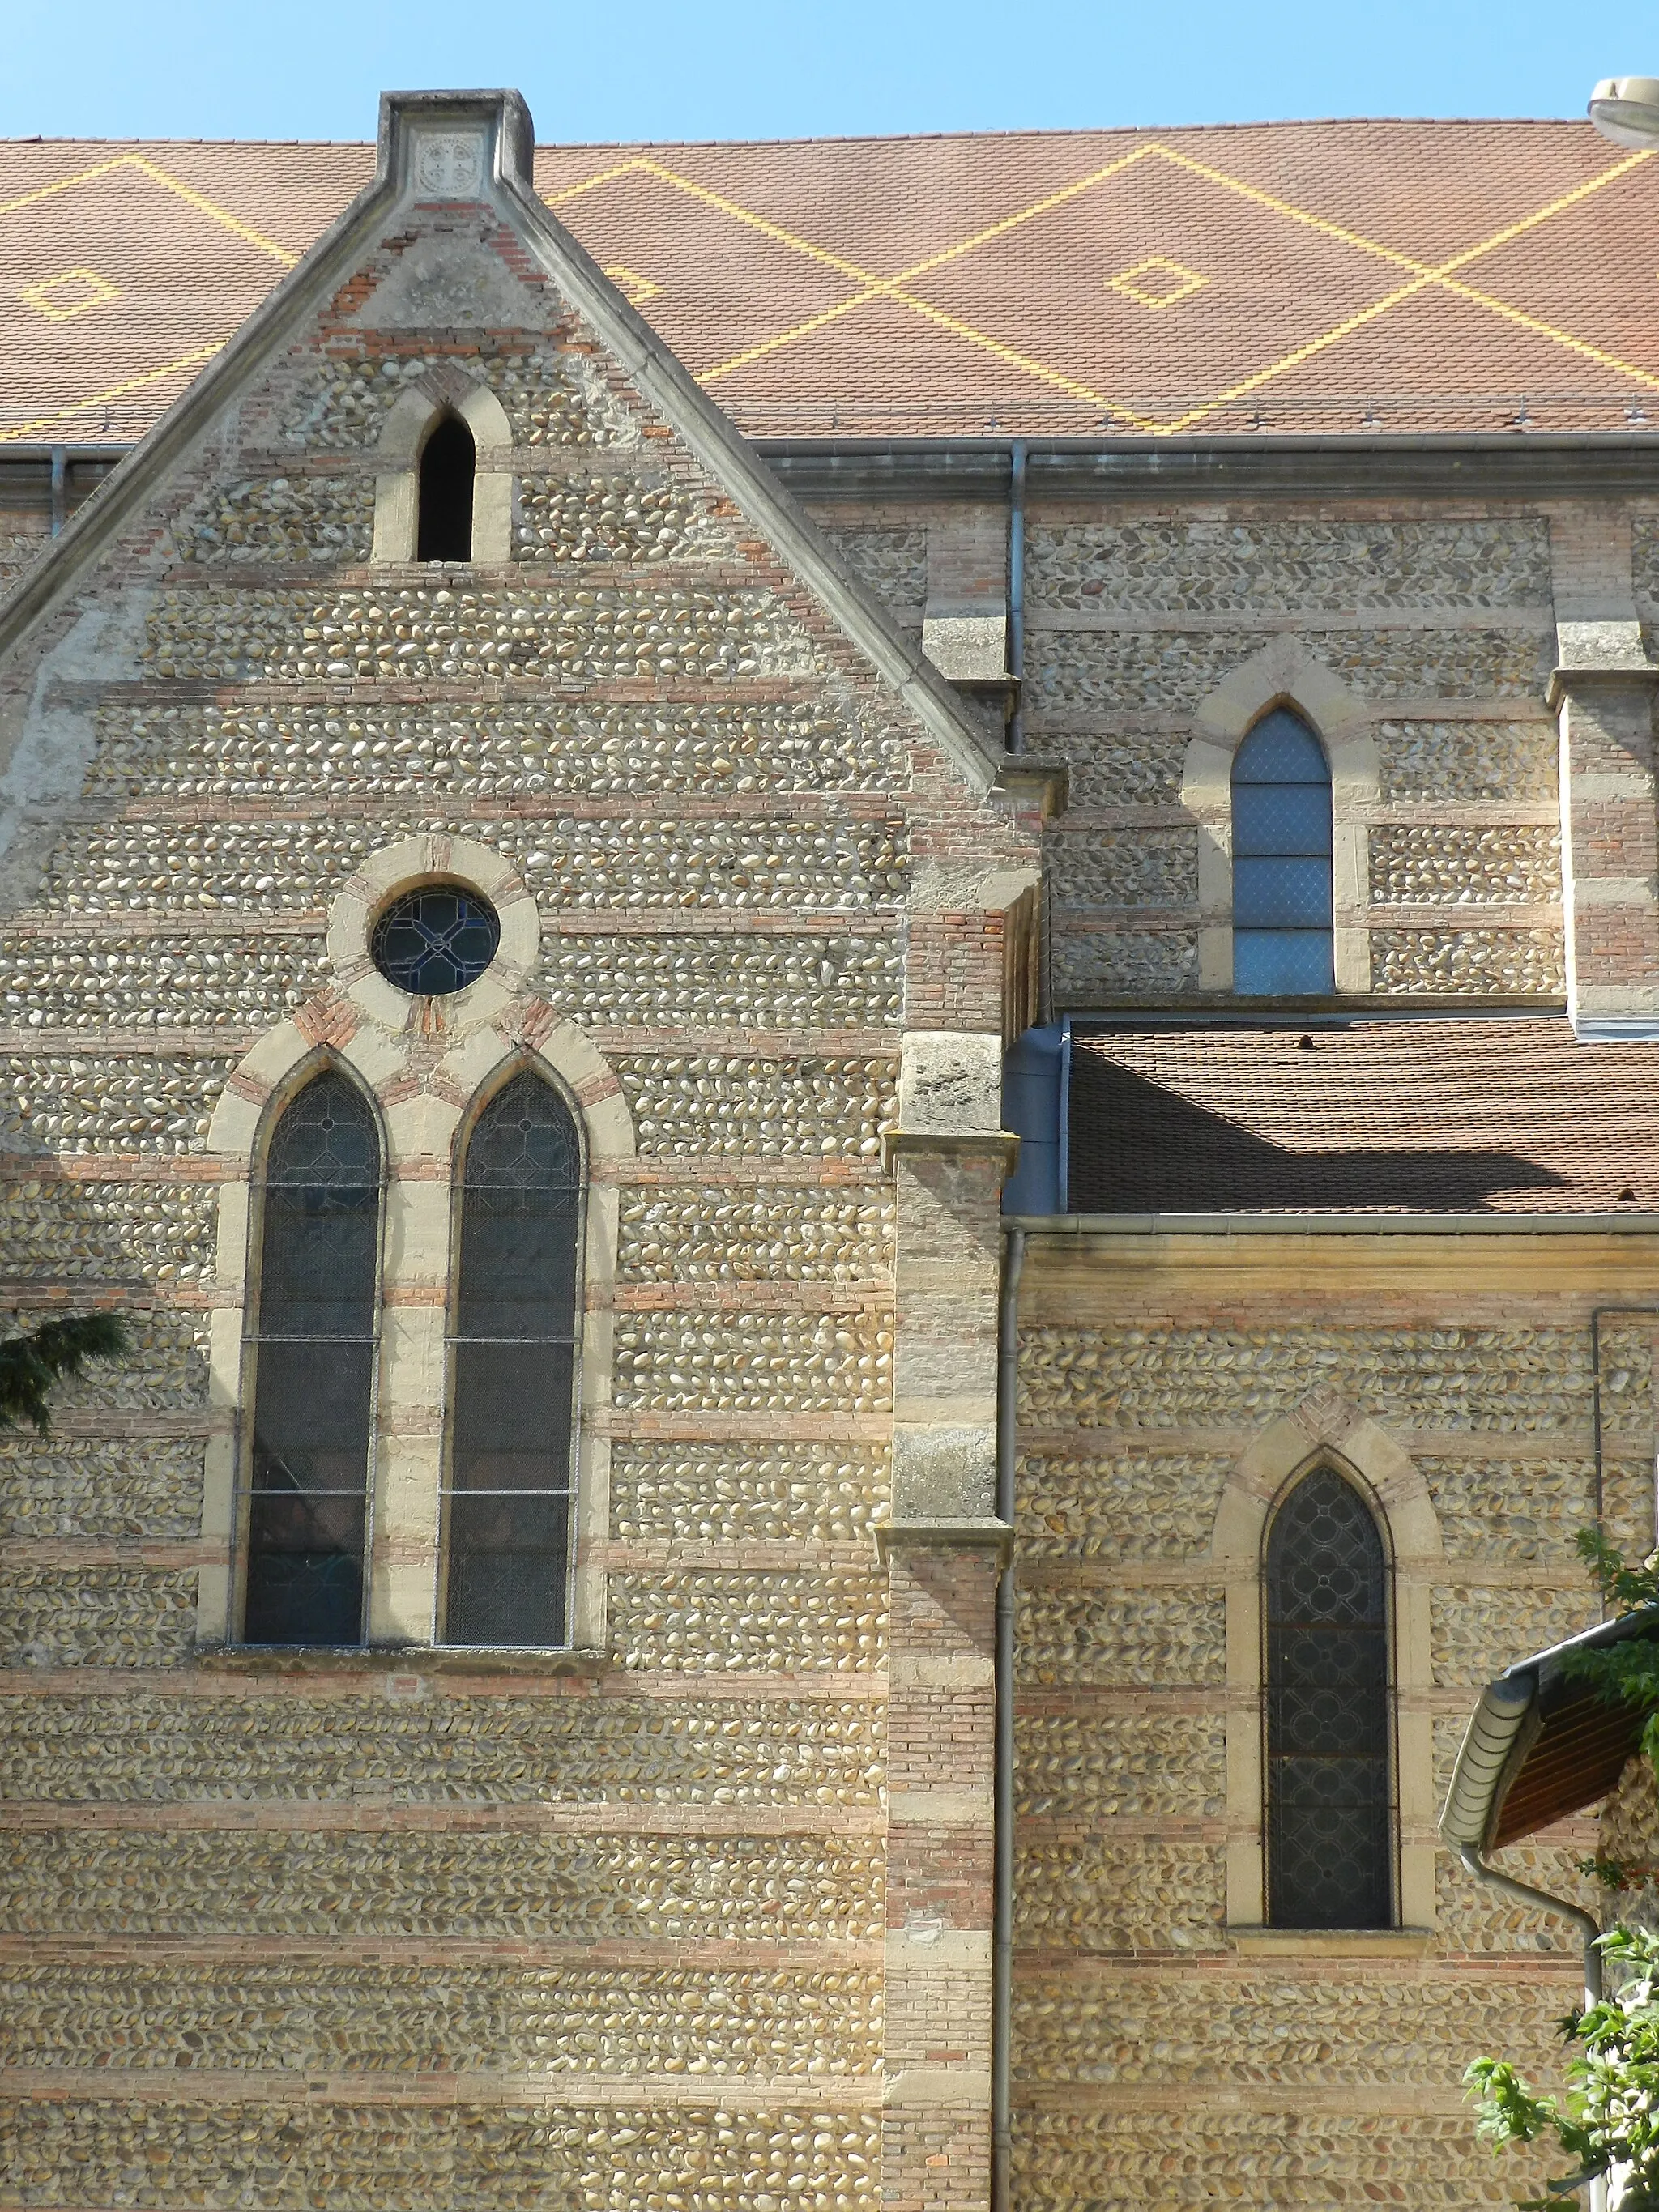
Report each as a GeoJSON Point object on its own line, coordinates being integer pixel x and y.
{"type": "Point", "coordinates": [884, 1202]}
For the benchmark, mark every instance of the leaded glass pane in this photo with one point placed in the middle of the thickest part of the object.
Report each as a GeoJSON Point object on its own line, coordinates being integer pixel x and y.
{"type": "Point", "coordinates": [314, 1366]}
{"type": "Point", "coordinates": [437, 940]}
{"type": "Point", "coordinates": [1281, 817]}
{"type": "Point", "coordinates": [507, 1494]}
{"type": "Point", "coordinates": [1280, 749]}
{"type": "Point", "coordinates": [1329, 1825]}
{"type": "Point", "coordinates": [1281, 893]}
{"type": "Point", "coordinates": [1282, 963]}
{"type": "Point", "coordinates": [1282, 841]}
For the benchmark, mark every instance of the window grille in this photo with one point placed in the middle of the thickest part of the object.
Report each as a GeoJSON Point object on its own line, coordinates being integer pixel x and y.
{"type": "Point", "coordinates": [435, 939]}
{"type": "Point", "coordinates": [1329, 1819]}
{"type": "Point", "coordinates": [449, 463]}
{"type": "Point", "coordinates": [313, 1380]}
{"type": "Point", "coordinates": [508, 1495]}
{"type": "Point", "coordinates": [1282, 901]}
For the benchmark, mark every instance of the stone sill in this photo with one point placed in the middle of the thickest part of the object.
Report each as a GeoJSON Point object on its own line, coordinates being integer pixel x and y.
{"type": "Point", "coordinates": [1254, 1942]}
{"type": "Point", "coordinates": [979, 1534]}
{"type": "Point", "coordinates": [404, 1659]}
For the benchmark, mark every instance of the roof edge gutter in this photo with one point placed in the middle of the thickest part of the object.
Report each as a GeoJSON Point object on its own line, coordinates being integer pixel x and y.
{"type": "Point", "coordinates": [1334, 1224]}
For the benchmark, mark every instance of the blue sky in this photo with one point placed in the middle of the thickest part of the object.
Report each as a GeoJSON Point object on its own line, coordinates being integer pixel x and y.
{"type": "Point", "coordinates": [311, 68]}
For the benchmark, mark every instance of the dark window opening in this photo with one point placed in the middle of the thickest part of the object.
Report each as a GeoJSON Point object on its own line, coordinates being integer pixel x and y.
{"type": "Point", "coordinates": [1330, 1856]}
{"type": "Point", "coordinates": [448, 463]}
{"type": "Point", "coordinates": [314, 1370]}
{"type": "Point", "coordinates": [1282, 904]}
{"type": "Point", "coordinates": [507, 1493]}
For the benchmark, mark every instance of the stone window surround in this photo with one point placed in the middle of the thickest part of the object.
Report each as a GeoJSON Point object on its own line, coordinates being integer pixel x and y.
{"type": "Point", "coordinates": [410, 421]}
{"type": "Point", "coordinates": [429, 1065]}
{"type": "Point", "coordinates": [1283, 674]}
{"type": "Point", "coordinates": [1325, 1430]}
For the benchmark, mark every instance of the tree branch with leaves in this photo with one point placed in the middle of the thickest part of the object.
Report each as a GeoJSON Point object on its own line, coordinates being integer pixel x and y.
{"type": "Point", "coordinates": [33, 1363]}
{"type": "Point", "coordinates": [1608, 2123]}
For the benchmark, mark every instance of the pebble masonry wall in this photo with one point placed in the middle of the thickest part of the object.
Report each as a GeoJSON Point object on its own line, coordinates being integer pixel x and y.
{"type": "Point", "coordinates": [644, 715]}
{"type": "Point", "coordinates": [483, 1884]}
{"type": "Point", "coordinates": [1280, 2158]}
{"type": "Point", "coordinates": [391, 2021]}
{"type": "Point", "coordinates": [428, 2158]}
{"type": "Point", "coordinates": [1255, 567]}
{"type": "Point", "coordinates": [1132, 623]}
{"type": "Point", "coordinates": [1139, 2030]}
{"type": "Point", "coordinates": [455, 748]}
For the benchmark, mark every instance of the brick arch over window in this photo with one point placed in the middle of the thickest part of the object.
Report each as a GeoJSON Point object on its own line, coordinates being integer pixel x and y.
{"type": "Point", "coordinates": [1326, 1430]}
{"type": "Point", "coordinates": [1283, 675]}
{"type": "Point", "coordinates": [410, 423]}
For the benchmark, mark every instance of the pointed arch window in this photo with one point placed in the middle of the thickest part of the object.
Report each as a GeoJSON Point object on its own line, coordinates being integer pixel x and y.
{"type": "Point", "coordinates": [508, 1489]}
{"type": "Point", "coordinates": [1283, 944]}
{"type": "Point", "coordinates": [314, 1354]}
{"type": "Point", "coordinates": [449, 465]}
{"type": "Point", "coordinates": [1330, 1827]}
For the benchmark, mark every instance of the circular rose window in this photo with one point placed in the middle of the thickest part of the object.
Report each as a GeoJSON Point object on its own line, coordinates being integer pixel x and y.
{"type": "Point", "coordinates": [436, 940]}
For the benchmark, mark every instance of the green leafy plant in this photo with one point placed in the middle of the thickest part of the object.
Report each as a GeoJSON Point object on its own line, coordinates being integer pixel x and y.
{"type": "Point", "coordinates": [32, 1364]}
{"type": "Point", "coordinates": [1609, 2120]}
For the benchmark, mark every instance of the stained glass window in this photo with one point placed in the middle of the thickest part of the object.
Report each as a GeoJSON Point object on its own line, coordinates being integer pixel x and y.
{"type": "Point", "coordinates": [313, 1359]}
{"type": "Point", "coordinates": [435, 939]}
{"type": "Point", "coordinates": [1282, 907]}
{"type": "Point", "coordinates": [508, 1488]}
{"type": "Point", "coordinates": [1329, 1820]}
{"type": "Point", "coordinates": [449, 463]}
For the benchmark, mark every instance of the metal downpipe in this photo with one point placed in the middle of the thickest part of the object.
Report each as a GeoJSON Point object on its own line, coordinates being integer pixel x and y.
{"type": "Point", "coordinates": [1590, 1928]}
{"type": "Point", "coordinates": [1016, 592]}
{"type": "Point", "coordinates": [1002, 1916]}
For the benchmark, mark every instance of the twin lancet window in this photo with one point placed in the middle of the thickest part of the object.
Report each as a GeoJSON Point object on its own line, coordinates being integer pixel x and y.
{"type": "Point", "coordinates": [504, 1523]}
{"type": "Point", "coordinates": [1330, 1824]}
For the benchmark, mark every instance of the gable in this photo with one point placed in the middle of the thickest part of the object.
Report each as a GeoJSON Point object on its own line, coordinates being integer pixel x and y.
{"type": "Point", "coordinates": [447, 277]}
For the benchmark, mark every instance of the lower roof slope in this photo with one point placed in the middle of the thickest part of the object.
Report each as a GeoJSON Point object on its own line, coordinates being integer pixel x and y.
{"type": "Point", "coordinates": [1343, 276]}
{"type": "Point", "coordinates": [1444, 1114]}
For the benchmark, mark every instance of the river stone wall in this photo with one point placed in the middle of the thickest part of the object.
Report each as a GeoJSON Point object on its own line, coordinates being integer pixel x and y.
{"type": "Point", "coordinates": [637, 1901]}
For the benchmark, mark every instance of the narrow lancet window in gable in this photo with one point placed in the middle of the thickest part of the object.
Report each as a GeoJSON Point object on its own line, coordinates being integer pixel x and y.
{"type": "Point", "coordinates": [1282, 901]}
{"type": "Point", "coordinates": [314, 1370]}
{"type": "Point", "coordinates": [1330, 1828]}
{"type": "Point", "coordinates": [448, 468]}
{"type": "Point", "coordinates": [508, 1482]}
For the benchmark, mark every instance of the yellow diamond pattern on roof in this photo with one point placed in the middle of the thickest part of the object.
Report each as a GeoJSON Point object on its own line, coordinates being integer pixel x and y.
{"type": "Point", "coordinates": [1157, 293]}
{"type": "Point", "coordinates": [965, 300]}
{"type": "Point", "coordinates": [69, 292]}
{"type": "Point", "coordinates": [636, 289]}
{"type": "Point", "coordinates": [899, 287]}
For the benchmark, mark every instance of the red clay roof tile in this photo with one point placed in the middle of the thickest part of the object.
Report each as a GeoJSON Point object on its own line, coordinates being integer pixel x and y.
{"type": "Point", "coordinates": [1455, 1115]}
{"type": "Point", "coordinates": [1308, 276]}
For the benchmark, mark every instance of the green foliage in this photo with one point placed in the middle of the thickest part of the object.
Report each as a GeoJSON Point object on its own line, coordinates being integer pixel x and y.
{"type": "Point", "coordinates": [1610, 2116]}
{"type": "Point", "coordinates": [1611, 2113]}
{"type": "Point", "coordinates": [32, 1363]}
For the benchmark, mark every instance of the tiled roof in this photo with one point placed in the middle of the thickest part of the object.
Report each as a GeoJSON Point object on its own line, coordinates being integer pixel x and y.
{"type": "Point", "coordinates": [1328, 276]}
{"type": "Point", "coordinates": [1448, 1115]}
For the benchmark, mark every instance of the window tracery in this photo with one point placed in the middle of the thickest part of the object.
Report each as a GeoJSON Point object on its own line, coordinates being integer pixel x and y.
{"type": "Point", "coordinates": [313, 1353]}
{"type": "Point", "coordinates": [1329, 1824]}
{"type": "Point", "coordinates": [507, 1478]}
